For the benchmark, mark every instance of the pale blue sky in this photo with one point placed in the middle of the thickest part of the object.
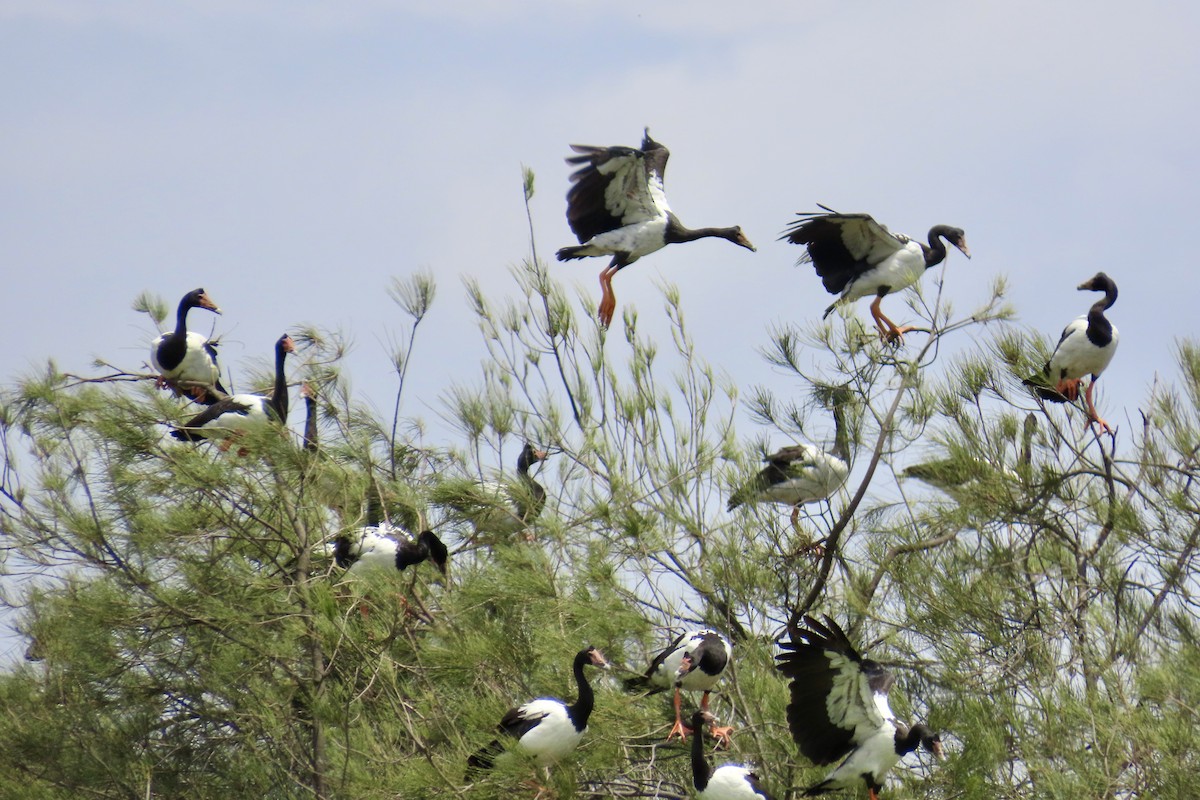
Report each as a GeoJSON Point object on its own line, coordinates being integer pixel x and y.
{"type": "Point", "coordinates": [291, 157]}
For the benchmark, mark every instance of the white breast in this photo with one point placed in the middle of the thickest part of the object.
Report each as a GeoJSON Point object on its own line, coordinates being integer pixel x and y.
{"type": "Point", "coordinates": [728, 782]}
{"type": "Point", "coordinates": [197, 365]}
{"type": "Point", "coordinates": [898, 271]}
{"type": "Point", "coordinates": [552, 738]}
{"type": "Point", "coordinates": [1076, 356]}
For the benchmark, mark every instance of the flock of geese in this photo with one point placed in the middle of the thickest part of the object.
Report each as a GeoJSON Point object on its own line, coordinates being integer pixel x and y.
{"type": "Point", "coordinates": [838, 711]}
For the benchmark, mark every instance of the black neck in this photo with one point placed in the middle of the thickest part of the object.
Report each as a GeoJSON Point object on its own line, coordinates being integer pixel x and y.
{"type": "Point", "coordinates": [310, 423]}
{"type": "Point", "coordinates": [677, 232]}
{"type": "Point", "coordinates": [701, 772]}
{"type": "Point", "coordinates": [525, 461]}
{"type": "Point", "coordinates": [279, 399]}
{"type": "Point", "coordinates": [185, 305]}
{"type": "Point", "coordinates": [936, 253]}
{"type": "Point", "coordinates": [907, 741]}
{"type": "Point", "coordinates": [581, 709]}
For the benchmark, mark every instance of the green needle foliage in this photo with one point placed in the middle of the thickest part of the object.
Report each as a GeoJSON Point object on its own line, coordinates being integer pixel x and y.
{"type": "Point", "coordinates": [1032, 585]}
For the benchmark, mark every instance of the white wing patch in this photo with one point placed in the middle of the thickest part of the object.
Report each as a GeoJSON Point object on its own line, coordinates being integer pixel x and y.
{"type": "Point", "coordinates": [631, 195]}
{"type": "Point", "coordinates": [868, 241]}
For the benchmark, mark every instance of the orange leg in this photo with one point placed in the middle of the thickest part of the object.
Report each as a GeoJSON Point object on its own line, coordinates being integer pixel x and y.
{"type": "Point", "coordinates": [887, 328]}
{"type": "Point", "coordinates": [721, 734]}
{"type": "Point", "coordinates": [1069, 388]}
{"type": "Point", "coordinates": [678, 729]}
{"type": "Point", "coordinates": [1093, 417]}
{"type": "Point", "coordinates": [608, 299]}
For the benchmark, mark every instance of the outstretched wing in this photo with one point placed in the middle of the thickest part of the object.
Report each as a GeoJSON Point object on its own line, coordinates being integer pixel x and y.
{"type": "Point", "coordinates": [842, 246]}
{"type": "Point", "coordinates": [615, 187]}
{"type": "Point", "coordinates": [838, 698]}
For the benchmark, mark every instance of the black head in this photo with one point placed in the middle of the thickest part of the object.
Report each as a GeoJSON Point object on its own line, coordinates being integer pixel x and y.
{"type": "Point", "coordinates": [737, 237]}
{"type": "Point", "coordinates": [285, 345]}
{"type": "Point", "coordinates": [701, 718]}
{"type": "Point", "coordinates": [198, 298]}
{"type": "Point", "coordinates": [930, 740]}
{"type": "Point", "coordinates": [955, 236]}
{"type": "Point", "coordinates": [529, 456]}
{"type": "Point", "coordinates": [1100, 283]}
{"type": "Point", "coordinates": [647, 142]}
{"type": "Point", "coordinates": [438, 553]}
{"type": "Point", "coordinates": [590, 655]}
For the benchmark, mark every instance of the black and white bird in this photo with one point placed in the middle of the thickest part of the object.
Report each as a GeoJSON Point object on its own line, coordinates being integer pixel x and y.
{"type": "Point", "coordinates": [803, 473]}
{"type": "Point", "coordinates": [617, 207]}
{"type": "Point", "coordinates": [726, 782]}
{"type": "Point", "coordinates": [1085, 348]}
{"type": "Point", "coordinates": [384, 546]}
{"type": "Point", "coordinates": [839, 710]}
{"type": "Point", "coordinates": [695, 661]}
{"type": "Point", "coordinates": [546, 729]}
{"type": "Point", "coordinates": [239, 414]}
{"type": "Point", "coordinates": [856, 256]}
{"type": "Point", "coordinates": [186, 357]}
{"type": "Point", "coordinates": [495, 507]}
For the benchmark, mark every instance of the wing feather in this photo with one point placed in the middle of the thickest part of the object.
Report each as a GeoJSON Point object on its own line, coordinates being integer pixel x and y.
{"type": "Point", "coordinates": [615, 187]}
{"type": "Point", "coordinates": [838, 699]}
{"type": "Point", "coordinates": [842, 246]}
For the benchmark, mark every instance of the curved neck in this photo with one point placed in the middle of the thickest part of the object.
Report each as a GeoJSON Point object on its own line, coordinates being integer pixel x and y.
{"type": "Point", "coordinates": [701, 772]}
{"type": "Point", "coordinates": [911, 739]}
{"type": "Point", "coordinates": [936, 253]}
{"type": "Point", "coordinates": [1110, 297]}
{"type": "Point", "coordinates": [581, 709]}
{"type": "Point", "coordinates": [185, 305]}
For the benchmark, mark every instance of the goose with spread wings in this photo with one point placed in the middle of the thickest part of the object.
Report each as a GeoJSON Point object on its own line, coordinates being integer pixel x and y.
{"type": "Point", "coordinates": [839, 710]}
{"type": "Point", "coordinates": [617, 207]}
{"type": "Point", "coordinates": [857, 257]}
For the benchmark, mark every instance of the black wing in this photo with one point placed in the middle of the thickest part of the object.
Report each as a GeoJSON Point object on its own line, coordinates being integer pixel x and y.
{"type": "Point", "coordinates": [226, 405]}
{"type": "Point", "coordinates": [833, 706]}
{"type": "Point", "coordinates": [615, 187]}
{"type": "Point", "coordinates": [778, 470]}
{"type": "Point", "coordinates": [842, 246]}
{"type": "Point", "coordinates": [517, 723]}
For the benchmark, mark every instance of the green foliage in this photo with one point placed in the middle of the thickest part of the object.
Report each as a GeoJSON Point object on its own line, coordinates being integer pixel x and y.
{"type": "Point", "coordinates": [1031, 585]}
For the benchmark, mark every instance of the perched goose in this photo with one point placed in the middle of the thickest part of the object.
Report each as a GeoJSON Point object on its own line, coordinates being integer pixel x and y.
{"type": "Point", "coordinates": [546, 729]}
{"type": "Point", "coordinates": [238, 414]}
{"type": "Point", "coordinates": [617, 208]}
{"type": "Point", "coordinates": [803, 473]}
{"type": "Point", "coordinates": [839, 710]}
{"type": "Point", "coordinates": [695, 661]}
{"type": "Point", "coordinates": [1085, 348]}
{"type": "Point", "coordinates": [856, 256]}
{"type": "Point", "coordinates": [180, 356]}
{"type": "Point", "coordinates": [388, 547]}
{"type": "Point", "coordinates": [498, 508]}
{"type": "Point", "coordinates": [726, 782]}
